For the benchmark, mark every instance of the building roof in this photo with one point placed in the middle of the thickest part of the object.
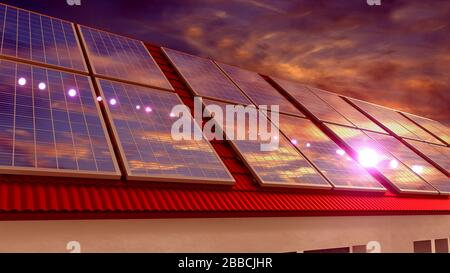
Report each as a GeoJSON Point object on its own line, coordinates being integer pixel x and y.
{"type": "Point", "coordinates": [23, 196]}
{"type": "Point", "coordinates": [32, 197]}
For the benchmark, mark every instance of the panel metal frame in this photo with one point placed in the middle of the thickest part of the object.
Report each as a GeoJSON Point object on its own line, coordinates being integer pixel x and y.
{"type": "Point", "coordinates": [412, 117]}
{"type": "Point", "coordinates": [67, 172]}
{"type": "Point", "coordinates": [273, 184]}
{"type": "Point", "coordinates": [161, 178]}
{"type": "Point", "coordinates": [296, 114]}
{"type": "Point", "coordinates": [96, 74]}
{"type": "Point", "coordinates": [399, 190]}
{"type": "Point", "coordinates": [46, 65]}
{"type": "Point", "coordinates": [337, 187]}
{"type": "Point", "coordinates": [186, 81]}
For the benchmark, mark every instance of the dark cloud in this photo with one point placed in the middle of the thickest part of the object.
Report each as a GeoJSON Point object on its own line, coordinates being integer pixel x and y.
{"type": "Point", "coordinates": [397, 54]}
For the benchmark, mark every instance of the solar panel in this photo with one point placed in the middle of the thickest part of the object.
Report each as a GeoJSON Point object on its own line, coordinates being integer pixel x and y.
{"type": "Point", "coordinates": [395, 122]}
{"type": "Point", "coordinates": [284, 166]}
{"type": "Point", "coordinates": [142, 121]}
{"type": "Point", "coordinates": [50, 124]}
{"type": "Point", "coordinates": [417, 164]}
{"type": "Point", "coordinates": [118, 57]}
{"type": "Point", "coordinates": [346, 110]}
{"type": "Point", "coordinates": [311, 102]}
{"type": "Point", "coordinates": [373, 155]}
{"type": "Point", "coordinates": [433, 126]}
{"type": "Point", "coordinates": [340, 169]}
{"type": "Point", "coordinates": [258, 89]}
{"type": "Point", "coordinates": [438, 154]}
{"type": "Point", "coordinates": [205, 78]}
{"type": "Point", "coordinates": [34, 37]}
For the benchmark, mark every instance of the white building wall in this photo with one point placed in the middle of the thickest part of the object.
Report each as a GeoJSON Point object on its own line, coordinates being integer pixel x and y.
{"type": "Point", "coordinates": [286, 234]}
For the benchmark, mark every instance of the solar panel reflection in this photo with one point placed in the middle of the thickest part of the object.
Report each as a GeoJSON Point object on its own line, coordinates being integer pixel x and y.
{"type": "Point", "coordinates": [348, 111]}
{"type": "Point", "coordinates": [374, 155]}
{"type": "Point", "coordinates": [283, 166]}
{"type": "Point", "coordinates": [50, 124]}
{"type": "Point", "coordinates": [205, 78]}
{"type": "Point", "coordinates": [258, 89]}
{"type": "Point", "coordinates": [34, 37]}
{"type": "Point", "coordinates": [122, 58]}
{"type": "Point", "coordinates": [142, 122]}
{"type": "Point", "coordinates": [311, 102]}
{"type": "Point", "coordinates": [341, 170]}
{"type": "Point", "coordinates": [417, 164]}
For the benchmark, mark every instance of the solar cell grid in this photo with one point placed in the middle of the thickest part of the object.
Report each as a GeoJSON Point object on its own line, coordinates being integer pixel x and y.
{"type": "Point", "coordinates": [122, 58]}
{"type": "Point", "coordinates": [433, 126]}
{"type": "Point", "coordinates": [34, 37]}
{"type": "Point", "coordinates": [395, 122]}
{"type": "Point", "coordinates": [50, 124]}
{"type": "Point", "coordinates": [438, 154]}
{"type": "Point", "coordinates": [258, 89]}
{"type": "Point", "coordinates": [142, 123]}
{"type": "Point", "coordinates": [348, 111]}
{"type": "Point", "coordinates": [417, 164]}
{"type": "Point", "coordinates": [205, 78]}
{"type": "Point", "coordinates": [311, 102]}
{"type": "Point", "coordinates": [283, 166]}
{"type": "Point", "coordinates": [372, 154]}
{"type": "Point", "coordinates": [341, 170]}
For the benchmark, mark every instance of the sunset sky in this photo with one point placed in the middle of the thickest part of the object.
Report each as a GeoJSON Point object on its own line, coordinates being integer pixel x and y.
{"type": "Point", "coordinates": [396, 54]}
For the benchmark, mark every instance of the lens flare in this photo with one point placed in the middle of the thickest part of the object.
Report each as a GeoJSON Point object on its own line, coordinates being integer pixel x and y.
{"type": "Point", "coordinates": [72, 92]}
{"type": "Point", "coordinates": [112, 101]}
{"type": "Point", "coordinates": [340, 152]}
{"type": "Point", "coordinates": [368, 158]}
{"type": "Point", "coordinates": [22, 81]}
{"type": "Point", "coordinates": [148, 109]}
{"type": "Point", "coordinates": [393, 164]}
{"type": "Point", "coordinates": [99, 98]}
{"type": "Point", "coordinates": [417, 169]}
{"type": "Point", "coordinates": [42, 86]}
{"type": "Point", "coordinates": [294, 141]}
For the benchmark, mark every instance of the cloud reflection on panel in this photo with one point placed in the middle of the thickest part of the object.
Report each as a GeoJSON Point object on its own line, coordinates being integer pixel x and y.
{"type": "Point", "coordinates": [143, 119]}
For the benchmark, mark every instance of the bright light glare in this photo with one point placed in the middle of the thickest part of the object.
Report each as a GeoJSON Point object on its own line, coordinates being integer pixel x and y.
{"type": "Point", "coordinates": [148, 109]}
{"type": "Point", "coordinates": [99, 98]}
{"type": "Point", "coordinates": [138, 107]}
{"type": "Point", "coordinates": [340, 152]}
{"type": "Point", "coordinates": [22, 81]}
{"type": "Point", "coordinates": [368, 158]}
{"type": "Point", "coordinates": [393, 164]}
{"type": "Point", "coordinates": [112, 101]}
{"type": "Point", "coordinates": [294, 141]}
{"type": "Point", "coordinates": [308, 144]}
{"type": "Point", "coordinates": [72, 92]}
{"type": "Point", "coordinates": [417, 169]}
{"type": "Point", "coordinates": [172, 115]}
{"type": "Point", "coordinates": [42, 86]}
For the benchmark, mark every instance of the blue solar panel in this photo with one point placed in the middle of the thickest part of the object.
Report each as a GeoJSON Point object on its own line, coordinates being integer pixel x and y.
{"type": "Point", "coordinates": [50, 124]}
{"type": "Point", "coordinates": [34, 37]}
{"type": "Point", "coordinates": [142, 122]}
{"type": "Point", "coordinates": [119, 57]}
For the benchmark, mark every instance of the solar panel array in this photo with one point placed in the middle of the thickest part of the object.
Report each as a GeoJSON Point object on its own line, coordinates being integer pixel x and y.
{"type": "Point", "coordinates": [33, 37]}
{"type": "Point", "coordinates": [258, 89]}
{"type": "Point", "coordinates": [50, 124]}
{"type": "Point", "coordinates": [374, 155]}
{"type": "Point", "coordinates": [283, 166]}
{"type": "Point", "coordinates": [119, 57]}
{"type": "Point", "coordinates": [350, 113]}
{"type": "Point", "coordinates": [398, 124]}
{"type": "Point", "coordinates": [433, 126]}
{"type": "Point", "coordinates": [417, 164]}
{"type": "Point", "coordinates": [340, 169]}
{"type": "Point", "coordinates": [205, 78]}
{"type": "Point", "coordinates": [142, 122]}
{"type": "Point", "coordinates": [320, 109]}
{"type": "Point", "coordinates": [438, 154]}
